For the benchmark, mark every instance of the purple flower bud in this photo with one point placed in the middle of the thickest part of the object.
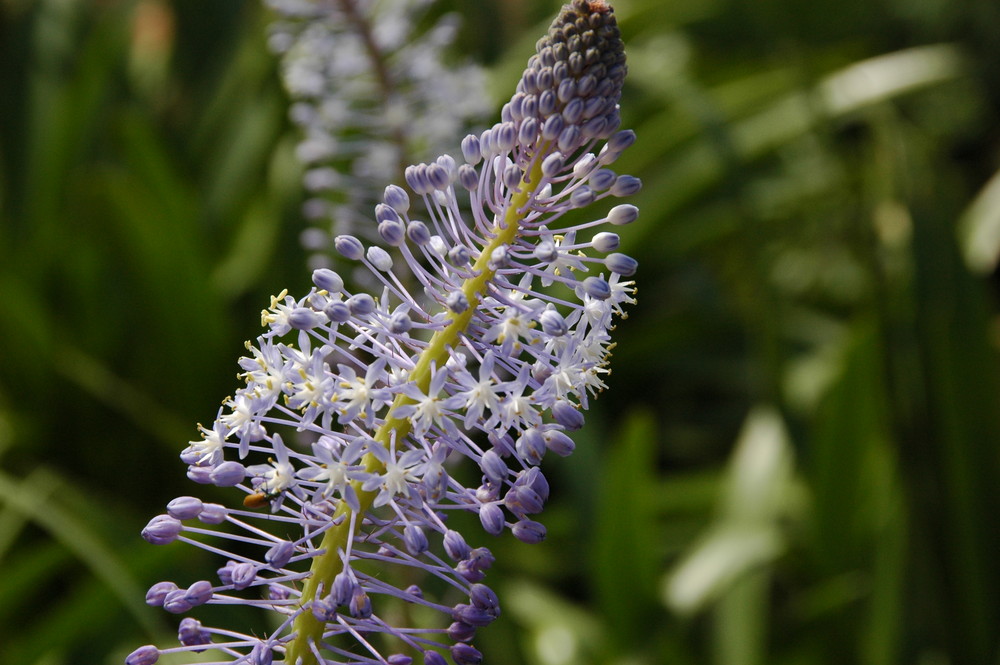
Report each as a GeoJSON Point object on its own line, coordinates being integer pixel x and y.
{"type": "Point", "coordinates": [602, 179]}
{"type": "Point", "coordinates": [228, 474]}
{"type": "Point", "coordinates": [552, 165]}
{"type": "Point", "coordinates": [553, 323]}
{"type": "Point", "coordinates": [338, 312]}
{"type": "Point", "coordinates": [582, 197]}
{"type": "Point", "coordinates": [459, 255]}
{"type": "Point", "coordinates": [146, 655]}
{"type": "Point", "coordinates": [583, 165]}
{"type": "Point", "coordinates": [481, 558]}
{"type": "Point", "coordinates": [303, 318]}
{"type": "Point", "coordinates": [343, 588]}
{"type": "Point", "coordinates": [414, 539]}
{"type": "Point", "coordinates": [243, 575]}
{"type": "Point", "coordinates": [553, 127]}
{"type": "Point", "coordinates": [393, 232]}
{"type": "Point", "coordinates": [530, 446]}
{"type": "Point", "coordinates": [621, 264]}
{"type": "Point", "coordinates": [386, 213]}
{"type": "Point", "coordinates": [400, 323]}
{"type": "Point", "coordinates": [463, 654]}
{"type": "Point", "coordinates": [360, 605]}
{"type": "Point", "coordinates": [567, 415]}
{"type": "Point", "coordinates": [396, 198]}
{"type": "Point", "coordinates": [573, 112]}
{"type": "Point", "coordinates": [470, 150]}
{"type": "Point", "coordinates": [159, 591]}
{"type": "Point", "coordinates": [199, 593]}
{"type": "Point", "coordinates": [415, 591]}
{"type": "Point", "coordinates": [500, 257]}
{"type": "Point", "coordinates": [361, 304]}
{"type": "Point", "coordinates": [626, 185]}
{"type": "Point", "coordinates": [522, 500]}
{"type": "Point", "coordinates": [416, 178]}
{"type": "Point", "coordinates": [176, 602]}
{"type": "Point", "coordinates": [597, 288]}
{"type": "Point", "coordinates": [623, 214]}
{"type": "Point", "coordinates": [278, 592]}
{"type": "Point", "coordinates": [399, 659]}
{"type": "Point", "coordinates": [529, 532]}
{"type": "Point", "coordinates": [546, 251]}
{"type": "Point", "coordinates": [379, 258]}
{"type": "Point", "coordinates": [472, 615]}
{"type": "Point", "coordinates": [226, 573]}
{"type": "Point", "coordinates": [488, 491]}
{"type": "Point", "coordinates": [455, 545]}
{"type": "Point", "coordinates": [505, 136]}
{"type": "Point", "coordinates": [457, 302]}
{"type": "Point", "coordinates": [200, 474]}
{"type": "Point", "coordinates": [324, 609]}
{"type": "Point", "coordinates": [468, 177]}
{"type": "Point", "coordinates": [605, 242]}
{"type": "Point", "coordinates": [349, 247]}
{"type": "Point", "coordinates": [418, 233]}
{"type": "Point", "coordinates": [558, 442]}
{"type": "Point", "coordinates": [190, 633]}
{"type": "Point", "coordinates": [438, 176]}
{"type": "Point", "coordinates": [569, 139]}
{"type": "Point", "coordinates": [595, 127]}
{"type": "Point", "coordinates": [261, 654]}
{"type": "Point", "coordinates": [484, 598]}
{"type": "Point", "coordinates": [213, 513]}
{"type": "Point", "coordinates": [535, 479]}
{"type": "Point", "coordinates": [184, 507]}
{"type": "Point", "coordinates": [547, 100]}
{"type": "Point", "coordinates": [469, 572]}
{"type": "Point", "coordinates": [621, 140]}
{"type": "Point", "coordinates": [492, 519]}
{"type": "Point", "coordinates": [191, 457]}
{"type": "Point", "coordinates": [461, 632]}
{"type": "Point", "coordinates": [161, 530]}
{"type": "Point", "coordinates": [528, 131]}
{"type": "Point", "coordinates": [434, 658]}
{"type": "Point", "coordinates": [493, 466]}
{"type": "Point", "coordinates": [280, 554]}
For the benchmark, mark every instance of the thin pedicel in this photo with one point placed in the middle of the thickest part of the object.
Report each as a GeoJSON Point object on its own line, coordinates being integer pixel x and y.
{"type": "Point", "coordinates": [494, 359]}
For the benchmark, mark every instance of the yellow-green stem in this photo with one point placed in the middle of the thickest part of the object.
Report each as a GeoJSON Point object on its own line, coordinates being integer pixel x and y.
{"type": "Point", "coordinates": [308, 629]}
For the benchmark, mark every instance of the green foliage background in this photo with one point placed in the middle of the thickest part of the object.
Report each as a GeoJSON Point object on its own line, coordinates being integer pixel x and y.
{"type": "Point", "coordinates": [797, 461]}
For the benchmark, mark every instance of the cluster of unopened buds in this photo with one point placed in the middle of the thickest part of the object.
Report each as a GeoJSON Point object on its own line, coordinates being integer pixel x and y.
{"type": "Point", "coordinates": [347, 438]}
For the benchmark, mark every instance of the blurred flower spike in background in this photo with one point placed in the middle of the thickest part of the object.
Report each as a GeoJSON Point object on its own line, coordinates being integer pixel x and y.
{"type": "Point", "coordinates": [358, 405]}
{"type": "Point", "coordinates": [370, 94]}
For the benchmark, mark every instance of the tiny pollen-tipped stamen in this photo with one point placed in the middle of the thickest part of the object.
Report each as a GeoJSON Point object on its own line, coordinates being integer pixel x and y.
{"type": "Point", "coordinates": [497, 365]}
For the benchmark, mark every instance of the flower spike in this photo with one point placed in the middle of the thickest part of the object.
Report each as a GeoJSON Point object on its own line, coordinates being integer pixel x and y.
{"type": "Point", "coordinates": [357, 406]}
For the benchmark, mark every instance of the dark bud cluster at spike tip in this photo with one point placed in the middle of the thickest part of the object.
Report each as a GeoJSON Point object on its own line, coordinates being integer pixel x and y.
{"type": "Point", "coordinates": [569, 92]}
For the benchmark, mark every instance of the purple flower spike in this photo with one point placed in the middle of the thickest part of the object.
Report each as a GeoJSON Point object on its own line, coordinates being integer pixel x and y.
{"type": "Point", "coordinates": [481, 333]}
